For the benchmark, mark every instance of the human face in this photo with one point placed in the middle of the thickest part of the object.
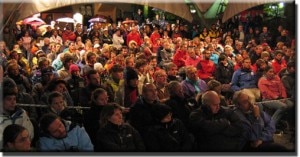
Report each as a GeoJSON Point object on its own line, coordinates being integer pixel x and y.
{"type": "Point", "coordinates": [9, 103]}
{"type": "Point", "coordinates": [173, 71]}
{"type": "Point", "coordinates": [192, 74]}
{"type": "Point", "coordinates": [133, 83]}
{"type": "Point", "coordinates": [167, 118]}
{"type": "Point", "coordinates": [278, 56]}
{"type": "Point", "coordinates": [94, 79]}
{"type": "Point", "coordinates": [247, 64]}
{"type": "Point", "coordinates": [60, 88]}
{"type": "Point", "coordinates": [244, 103]}
{"type": "Point", "coordinates": [161, 78]}
{"type": "Point", "coordinates": [207, 55]}
{"type": "Point", "coordinates": [57, 129]}
{"type": "Point", "coordinates": [270, 74]}
{"type": "Point", "coordinates": [214, 104]}
{"type": "Point", "coordinates": [117, 117]}
{"type": "Point", "coordinates": [102, 99]}
{"type": "Point", "coordinates": [150, 94]}
{"type": "Point", "coordinates": [92, 60]}
{"type": "Point", "coordinates": [22, 142]}
{"type": "Point", "coordinates": [58, 104]}
{"type": "Point", "coordinates": [117, 75]}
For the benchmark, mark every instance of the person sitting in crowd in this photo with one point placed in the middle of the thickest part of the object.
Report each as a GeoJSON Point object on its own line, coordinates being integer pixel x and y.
{"type": "Point", "coordinates": [272, 88]}
{"type": "Point", "coordinates": [245, 79]}
{"type": "Point", "coordinates": [192, 85]}
{"type": "Point", "coordinates": [116, 135]}
{"type": "Point", "coordinates": [128, 92]}
{"type": "Point", "coordinates": [168, 134]}
{"type": "Point", "coordinates": [12, 114]}
{"type": "Point", "coordinates": [258, 126]}
{"type": "Point", "coordinates": [16, 138]}
{"type": "Point", "coordinates": [60, 135]}
{"type": "Point", "coordinates": [160, 81]}
{"type": "Point", "coordinates": [215, 128]}
{"type": "Point", "coordinates": [99, 99]}
{"type": "Point", "coordinates": [75, 84]}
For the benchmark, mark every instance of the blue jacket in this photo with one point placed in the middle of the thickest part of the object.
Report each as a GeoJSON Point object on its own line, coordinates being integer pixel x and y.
{"type": "Point", "coordinates": [256, 129]}
{"type": "Point", "coordinates": [243, 79]}
{"type": "Point", "coordinates": [77, 140]}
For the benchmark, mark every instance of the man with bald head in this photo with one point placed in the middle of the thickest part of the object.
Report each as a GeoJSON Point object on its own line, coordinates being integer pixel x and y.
{"type": "Point", "coordinates": [141, 114]}
{"type": "Point", "coordinates": [215, 128]}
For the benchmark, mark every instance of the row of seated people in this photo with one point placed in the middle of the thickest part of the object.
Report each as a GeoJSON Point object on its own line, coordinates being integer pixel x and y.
{"type": "Point", "coordinates": [152, 126]}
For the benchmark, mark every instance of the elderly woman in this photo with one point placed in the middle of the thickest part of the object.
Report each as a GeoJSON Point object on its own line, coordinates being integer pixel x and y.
{"type": "Point", "coordinates": [114, 134]}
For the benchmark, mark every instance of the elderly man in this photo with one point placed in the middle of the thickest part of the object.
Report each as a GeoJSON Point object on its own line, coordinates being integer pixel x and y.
{"type": "Point", "coordinates": [257, 125]}
{"type": "Point", "coordinates": [192, 85]}
{"type": "Point", "coordinates": [160, 81]}
{"type": "Point", "coordinates": [141, 116]}
{"type": "Point", "coordinates": [214, 128]}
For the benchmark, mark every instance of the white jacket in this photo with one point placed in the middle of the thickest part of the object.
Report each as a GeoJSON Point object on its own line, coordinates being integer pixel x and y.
{"type": "Point", "coordinates": [19, 117]}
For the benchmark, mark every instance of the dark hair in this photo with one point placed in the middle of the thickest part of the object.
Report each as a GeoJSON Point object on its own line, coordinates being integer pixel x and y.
{"type": "Point", "coordinates": [91, 72]}
{"type": "Point", "coordinates": [8, 87]}
{"type": "Point", "coordinates": [140, 62]}
{"type": "Point", "coordinates": [11, 132]}
{"type": "Point", "coordinates": [90, 54]}
{"type": "Point", "coordinates": [107, 112]}
{"type": "Point", "coordinates": [267, 69]}
{"type": "Point", "coordinates": [116, 68]}
{"type": "Point", "coordinates": [46, 120]}
{"type": "Point", "coordinates": [53, 95]}
{"type": "Point", "coordinates": [221, 58]}
{"type": "Point", "coordinates": [53, 83]}
{"type": "Point", "coordinates": [290, 64]}
{"type": "Point", "coordinates": [96, 93]}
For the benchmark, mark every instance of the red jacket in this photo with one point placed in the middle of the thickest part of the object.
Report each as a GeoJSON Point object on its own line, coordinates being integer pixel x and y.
{"type": "Point", "coordinates": [206, 68]}
{"type": "Point", "coordinates": [134, 36]}
{"type": "Point", "coordinates": [192, 61]}
{"type": "Point", "coordinates": [154, 36]}
{"type": "Point", "coordinates": [271, 89]}
{"type": "Point", "coordinates": [179, 58]}
{"type": "Point", "coordinates": [277, 66]}
{"type": "Point", "coordinates": [68, 36]}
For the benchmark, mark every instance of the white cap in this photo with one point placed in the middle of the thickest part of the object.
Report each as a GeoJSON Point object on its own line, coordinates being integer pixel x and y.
{"type": "Point", "coordinates": [96, 46]}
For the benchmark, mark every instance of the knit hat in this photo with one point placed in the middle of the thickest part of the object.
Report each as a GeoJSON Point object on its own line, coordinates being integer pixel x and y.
{"type": "Point", "coordinates": [130, 74]}
{"type": "Point", "coordinates": [73, 67]}
{"type": "Point", "coordinates": [161, 111]}
{"type": "Point", "coordinates": [8, 86]}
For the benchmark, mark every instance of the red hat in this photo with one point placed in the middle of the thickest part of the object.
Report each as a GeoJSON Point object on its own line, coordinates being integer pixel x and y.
{"type": "Point", "coordinates": [73, 67]}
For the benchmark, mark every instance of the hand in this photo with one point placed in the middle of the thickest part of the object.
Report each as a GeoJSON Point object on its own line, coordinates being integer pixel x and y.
{"type": "Point", "coordinates": [256, 143]}
{"type": "Point", "coordinates": [255, 110]}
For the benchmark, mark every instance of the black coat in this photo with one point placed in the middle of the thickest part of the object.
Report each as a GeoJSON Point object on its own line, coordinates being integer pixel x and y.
{"type": "Point", "coordinates": [91, 120]}
{"type": "Point", "coordinates": [171, 136]}
{"type": "Point", "coordinates": [223, 74]}
{"type": "Point", "coordinates": [141, 115]}
{"type": "Point", "coordinates": [216, 132]}
{"type": "Point", "coordinates": [181, 108]}
{"type": "Point", "coordinates": [119, 138]}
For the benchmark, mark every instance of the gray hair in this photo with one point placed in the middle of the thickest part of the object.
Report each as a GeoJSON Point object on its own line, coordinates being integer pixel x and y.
{"type": "Point", "coordinates": [171, 87]}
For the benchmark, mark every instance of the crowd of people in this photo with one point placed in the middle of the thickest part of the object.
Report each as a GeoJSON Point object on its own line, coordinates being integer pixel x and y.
{"type": "Point", "coordinates": [146, 88]}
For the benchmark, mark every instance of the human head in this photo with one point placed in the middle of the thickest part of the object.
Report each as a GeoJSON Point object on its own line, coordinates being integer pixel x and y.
{"type": "Point", "coordinates": [52, 125]}
{"type": "Point", "coordinates": [99, 97]}
{"type": "Point", "coordinates": [162, 113]}
{"type": "Point", "coordinates": [246, 63]}
{"type": "Point", "coordinates": [16, 138]}
{"type": "Point", "coordinates": [111, 113]}
{"type": "Point", "coordinates": [211, 100]}
{"type": "Point", "coordinates": [191, 73]}
{"type": "Point", "coordinates": [242, 100]}
{"type": "Point", "coordinates": [93, 78]}
{"type": "Point", "coordinates": [175, 89]}
{"type": "Point", "coordinates": [10, 91]}
{"type": "Point", "coordinates": [214, 85]}
{"type": "Point", "coordinates": [74, 70]}
{"type": "Point", "coordinates": [269, 73]}
{"type": "Point", "coordinates": [56, 102]}
{"type": "Point", "coordinates": [131, 77]}
{"type": "Point", "coordinates": [160, 77]}
{"type": "Point", "coordinates": [149, 92]}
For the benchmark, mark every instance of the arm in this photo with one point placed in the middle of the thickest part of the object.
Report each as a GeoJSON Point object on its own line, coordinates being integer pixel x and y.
{"type": "Point", "coordinates": [268, 129]}
{"type": "Point", "coordinates": [85, 143]}
{"type": "Point", "coordinates": [235, 81]}
{"type": "Point", "coordinates": [209, 127]}
{"type": "Point", "coordinates": [266, 93]}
